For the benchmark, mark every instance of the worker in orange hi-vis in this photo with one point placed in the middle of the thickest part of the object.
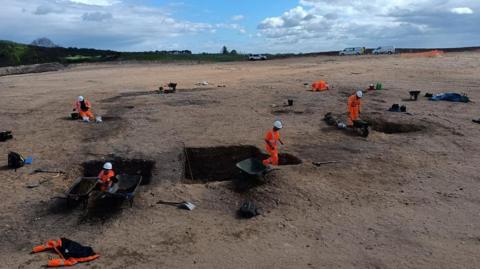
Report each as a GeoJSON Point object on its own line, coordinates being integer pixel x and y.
{"type": "Point", "coordinates": [105, 177]}
{"type": "Point", "coordinates": [354, 104]}
{"type": "Point", "coordinates": [271, 139]}
{"type": "Point", "coordinates": [320, 85]}
{"type": "Point", "coordinates": [84, 108]}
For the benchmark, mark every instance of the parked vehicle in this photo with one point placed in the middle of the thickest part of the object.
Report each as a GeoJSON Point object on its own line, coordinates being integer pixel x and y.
{"type": "Point", "coordinates": [352, 51]}
{"type": "Point", "coordinates": [257, 57]}
{"type": "Point", "coordinates": [384, 50]}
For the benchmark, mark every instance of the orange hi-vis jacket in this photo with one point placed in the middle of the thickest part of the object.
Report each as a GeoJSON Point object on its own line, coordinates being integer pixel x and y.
{"type": "Point", "coordinates": [106, 179]}
{"type": "Point", "coordinates": [273, 138]}
{"type": "Point", "coordinates": [320, 85]}
{"type": "Point", "coordinates": [354, 104]}
{"type": "Point", "coordinates": [56, 245]}
{"type": "Point", "coordinates": [78, 105]}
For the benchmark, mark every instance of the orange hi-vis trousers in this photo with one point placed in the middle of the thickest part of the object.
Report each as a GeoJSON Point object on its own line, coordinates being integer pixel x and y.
{"type": "Point", "coordinates": [354, 104]}
{"type": "Point", "coordinates": [273, 160]}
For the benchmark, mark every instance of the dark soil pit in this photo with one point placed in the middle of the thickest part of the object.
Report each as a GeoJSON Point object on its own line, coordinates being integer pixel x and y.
{"type": "Point", "coordinates": [111, 118]}
{"type": "Point", "coordinates": [122, 166]}
{"type": "Point", "coordinates": [216, 163]}
{"type": "Point", "coordinates": [196, 89]}
{"type": "Point", "coordinates": [284, 111]}
{"type": "Point", "coordinates": [219, 163]}
{"type": "Point", "coordinates": [288, 159]}
{"type": "Point", "coordinates": [388, 127]}
{"type": "Point", "coordinates": [191, 102]}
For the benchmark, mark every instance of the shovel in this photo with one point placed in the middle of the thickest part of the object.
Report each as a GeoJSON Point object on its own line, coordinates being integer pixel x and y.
{"type": "Point", "coordinates": [40, 170]}
{"type": "Point", "coordinates": [182, 205]}
{"type": "Point", "coordinates": [322, 163]}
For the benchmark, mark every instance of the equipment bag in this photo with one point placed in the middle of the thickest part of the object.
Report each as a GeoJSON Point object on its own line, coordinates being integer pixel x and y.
{"type": "Point", "coordinates": [4, 136]}
{"type": "Point", "coordinates": [248, 210]}
{"type": "Point", "coordinates": [15, 160]}
{"type": "Point", "coordinates": [75, 115]}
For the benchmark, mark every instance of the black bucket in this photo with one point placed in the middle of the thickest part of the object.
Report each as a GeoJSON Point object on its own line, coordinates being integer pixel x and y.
{"type": "Point", "coordinates": [290, 102]}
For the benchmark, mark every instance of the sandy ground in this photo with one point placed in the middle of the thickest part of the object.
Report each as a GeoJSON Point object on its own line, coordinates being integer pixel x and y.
{"type": "Point", "coordinates": [408, 200]}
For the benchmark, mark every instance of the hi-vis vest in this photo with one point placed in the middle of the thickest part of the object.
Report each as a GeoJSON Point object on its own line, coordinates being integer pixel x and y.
{"type": "Point", "coordinates": [70, 252]}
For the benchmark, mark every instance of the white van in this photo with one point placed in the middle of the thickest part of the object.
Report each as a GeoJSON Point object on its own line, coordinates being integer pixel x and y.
{"type": "Point", "coordinates": [257, 57]}
{"type": "Point", "coordinates": [352, 51]}
{"type": "Point", "coordinates": [384, 50]}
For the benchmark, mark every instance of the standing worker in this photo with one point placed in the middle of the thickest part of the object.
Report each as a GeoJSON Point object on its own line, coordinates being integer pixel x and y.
{"type": "Point", "coordinates": [354, 104]}
{"type": "Point", "coordinates": [271, 139]}
{"type": "Point", "coordinates": [84, 108]}
{"type": "Point", "coordinates": [106, 177]}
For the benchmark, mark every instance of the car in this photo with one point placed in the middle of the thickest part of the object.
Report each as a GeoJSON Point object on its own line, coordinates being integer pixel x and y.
{"type": "Point", "coordinates": [384, 50]}
{"type": "Point", "coordinates": [352, 51]}
{"type": "Point", "coordinates": [257, 57]}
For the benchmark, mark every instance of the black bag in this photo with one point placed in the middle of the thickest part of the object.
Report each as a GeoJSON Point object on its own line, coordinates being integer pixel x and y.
{"type": "Point", "coordinates": [72, 249]}
{"type": "Point", "coordinates": [15, 160]}
{"type": "Point", "coordinates": [248, 210]}
{"type": "Point", "coordinates": [394, 108]}
{"type": "Point", "coordinates": [403, 109]}
{"type": "Point", "coordinates": [4, 136]}
{"type": "Point", "coordinates": [75, 115]}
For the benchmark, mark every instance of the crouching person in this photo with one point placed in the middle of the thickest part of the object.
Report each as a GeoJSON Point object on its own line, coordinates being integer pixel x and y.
{"type": "Point", "coordinates": [84, 109]}
{"type": "Point", "coordinates": [106, 178]}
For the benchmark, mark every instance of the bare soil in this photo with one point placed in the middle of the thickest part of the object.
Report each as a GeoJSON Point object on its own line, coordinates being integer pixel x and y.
{"type": "Point", "coordinates": [406, 199]}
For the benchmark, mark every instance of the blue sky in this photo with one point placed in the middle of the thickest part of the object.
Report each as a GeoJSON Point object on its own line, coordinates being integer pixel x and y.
{"type": "Point", "coordinates": [247, 26]}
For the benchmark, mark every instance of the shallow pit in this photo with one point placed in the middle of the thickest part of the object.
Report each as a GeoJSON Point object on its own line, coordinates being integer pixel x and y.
{"type": "Point", "coordinates": [122, 166]}
{"type": "Point", "coordinates": [219, 163]}
{"type": "Point", "coordinates": [388, 127]}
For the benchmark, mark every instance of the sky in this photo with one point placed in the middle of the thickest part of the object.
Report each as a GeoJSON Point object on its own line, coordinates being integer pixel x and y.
{"type": "Point", "coordinates": [249, 26]}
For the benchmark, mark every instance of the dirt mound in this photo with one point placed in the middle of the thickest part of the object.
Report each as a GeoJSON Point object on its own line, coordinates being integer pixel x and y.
{"type": "Point", "coordinates": [26, 69]}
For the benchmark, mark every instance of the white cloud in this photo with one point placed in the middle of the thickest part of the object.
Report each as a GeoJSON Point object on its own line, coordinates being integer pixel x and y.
{"type": "Point", "coordinates": [238, 17]}
{"type": "Point", "coordinates": [462, 10]}
{"type": "Point", "coordinates": [315, 25]}
{"type": "Point", "coordinates": [105, 24]}
{"type": "Point", "coordinates": [96, 2]}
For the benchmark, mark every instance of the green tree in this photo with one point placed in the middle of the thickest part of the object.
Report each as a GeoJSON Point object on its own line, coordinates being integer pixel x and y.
{"type": "Point", "coordinates": [225, 50]}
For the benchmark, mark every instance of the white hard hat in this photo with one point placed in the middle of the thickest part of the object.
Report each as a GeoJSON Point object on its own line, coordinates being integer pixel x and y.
{"type": "Point", "coordinates": [107, 166]}
{"type": "Point", "coordinates": [359, 94]}
{"type": "Point", "coordinates": [278, 124]}
{"type": "Point", "coordinates": [80, 98]}
{"type": "Point", "coordinates": [371, 85]}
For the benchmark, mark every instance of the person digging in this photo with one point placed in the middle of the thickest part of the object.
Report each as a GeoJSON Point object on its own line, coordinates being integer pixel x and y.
{"type": "Point", "coordinates": [354, 105]}
{"type": "Point", "coordinates": [271, 143]}
{"type": "Point", "coordinates": [106, 178]}
{"type": "Point", "coordinates": [84, 109]}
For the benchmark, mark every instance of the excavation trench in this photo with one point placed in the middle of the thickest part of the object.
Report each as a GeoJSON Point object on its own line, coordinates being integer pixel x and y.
{"type": "Point", "coordinates": [388, 127]}
{"type": "Point", "coordinates": [209, 164]}
{"type": "Point", "coordinates": [140, 167]}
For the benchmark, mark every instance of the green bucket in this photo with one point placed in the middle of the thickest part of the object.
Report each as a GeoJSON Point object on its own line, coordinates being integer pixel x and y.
{"type": "Point", "coordinates": [379, 86]}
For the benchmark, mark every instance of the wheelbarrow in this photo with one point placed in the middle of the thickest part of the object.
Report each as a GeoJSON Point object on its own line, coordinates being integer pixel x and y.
{"type": "Point", "coordinates": [361, 127]}
{"type": "Point", "coordinates": [124, 189]}
{"type": "Point", "coordinates": [252, 173]}
{"type": "Point", "coordinates": [80, 191]}
{"type": "Point", "coordinates": [254, 167]}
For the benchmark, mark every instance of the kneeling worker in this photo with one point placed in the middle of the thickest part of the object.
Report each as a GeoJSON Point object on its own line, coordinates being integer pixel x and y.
{"type": "Point", "coordinates": [84, 108]}
{"type": "Point", "coordinates": [354, 104]}
{"type": "Point", "coordinates": [106, 177]}
{"type": "Point", "coordinates": [271, 146]}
